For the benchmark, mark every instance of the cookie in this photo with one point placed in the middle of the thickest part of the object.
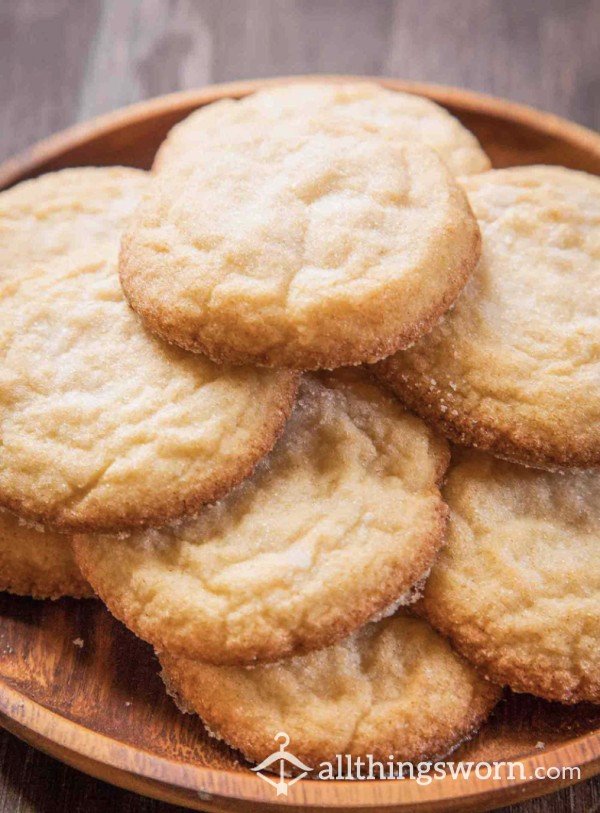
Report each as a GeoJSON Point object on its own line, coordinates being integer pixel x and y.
{"type": "Point", "coordinates": [103, 427]}
{"type": "Point", "coordinates": [401, 116]}
{"type": "Point", "coordinates": [306, 245]}
{"type": "Point", "coordinates": [334, 526]}
{"type": "Point", "coordinates": [394, 689]}
{"type": "Point", "coordinates": [517, 587]}
{"type": "Point", "coordinates": [38, 563]}
{"type": "Point", "coordinates": [57, 215]}
{"type": "Point", "coordinates": [514, 368]}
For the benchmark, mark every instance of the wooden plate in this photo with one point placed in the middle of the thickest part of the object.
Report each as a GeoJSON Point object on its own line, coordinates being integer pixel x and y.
{"type": "Point", "coordinates": [102, 707]}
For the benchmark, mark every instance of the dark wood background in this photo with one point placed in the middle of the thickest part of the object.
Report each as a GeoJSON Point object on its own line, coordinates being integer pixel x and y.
{"type": "Point", "coordinates": [63, 61]}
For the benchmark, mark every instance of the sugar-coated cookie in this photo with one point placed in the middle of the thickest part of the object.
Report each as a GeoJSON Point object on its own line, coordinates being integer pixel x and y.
{"type": "Point", "coordinates": [400, 116]}
{"type": "Point", "coordinates": [334, 526]}
{"type": "Point", "coordinates": [38, 563]}
{"type": "Point", "coordinates": [307, 245]}
{"type": "Point", "coordinates": [514, 368]}
{"type": "Point", "coordinates": [393, 689]}
{"type": "Point", "coordinates": [62, 214]}
{"type": "Point", "coordinates": [517, 587]}
{"type": "Point", "coordinates": [103, 427]}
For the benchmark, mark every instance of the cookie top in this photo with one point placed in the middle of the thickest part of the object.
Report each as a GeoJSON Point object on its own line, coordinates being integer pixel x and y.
{"type": "Point", "coordinates": [103, 426]}
{"type": "Point", "coordinates": [514, 368]}
{"type": "Point", "coordinates": [517, 587]}
{"type": "Point", "coordinates": [401, 116]}
{"type": "Point", "coordinates": [62, 214]}
{"type": "Point", "coordinates": [306, 244]}
{"type": "Point", "coordinates": [334, 526]}
{"type": "Point", "coordinates": [38, 563]}
{"type": "Point", "coordinates": [394, 687]}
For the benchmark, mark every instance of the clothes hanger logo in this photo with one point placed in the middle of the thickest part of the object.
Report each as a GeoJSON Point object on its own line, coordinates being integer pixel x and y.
{"type": "Point", "coordinates": [283, 757]}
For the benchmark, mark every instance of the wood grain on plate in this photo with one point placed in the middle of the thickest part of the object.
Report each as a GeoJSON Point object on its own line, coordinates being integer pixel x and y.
{"type": "Point", "coordinates": [77, 684]}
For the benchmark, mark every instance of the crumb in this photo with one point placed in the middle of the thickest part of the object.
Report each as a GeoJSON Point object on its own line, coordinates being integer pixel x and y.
{"type": "Point", "coordinates": [78, 642]}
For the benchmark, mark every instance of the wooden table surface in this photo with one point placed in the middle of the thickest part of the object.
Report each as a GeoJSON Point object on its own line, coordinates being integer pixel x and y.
{"type": "Point", "coordinates": [67, 60]}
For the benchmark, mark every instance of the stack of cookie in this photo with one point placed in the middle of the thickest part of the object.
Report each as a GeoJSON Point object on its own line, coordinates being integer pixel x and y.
{"type": "Point", "coordinates": [225, 395]}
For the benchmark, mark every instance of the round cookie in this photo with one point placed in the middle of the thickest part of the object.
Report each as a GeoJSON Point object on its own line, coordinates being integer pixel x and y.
{"type": "Point", "coordinates": [401, 116]}
{"type": "Point", "coordinates": [38, 563]}
{"type": "Point", "coordinates": [306, 245]}
{"type": "Point", "coordinates": [517, 587]}
{"type": "Point", "coordinates": [393, 688]}
{"type": "Point", "coordinates": [59, 214]}
{"type": "Point", "coordinates": [103, 426]}
{"type": "Point", "coordinates": [338, 523]}
{"type": "Point", "coordinates": [514, 368]}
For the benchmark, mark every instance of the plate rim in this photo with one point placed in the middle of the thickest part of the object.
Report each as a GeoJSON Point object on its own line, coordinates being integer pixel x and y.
{"type": "Point", "coordinates": [205, 788]}
{"type": "Point", "coordinates": [25, 162]}
{"type": "Point", "coordinates": [144, 772]}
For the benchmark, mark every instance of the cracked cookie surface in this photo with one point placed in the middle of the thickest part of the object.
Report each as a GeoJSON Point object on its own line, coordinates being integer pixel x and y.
{"type": "Point", "coordinates": [103, 426]}
{"type": "Point", "coordinates": [309, 245]}
{"type": "Point", "coordinates": [514, 368]}
{"type": "Point", "coordinates": [38, 563]}
{"type": "Point", "coordinates": [394, 687]}
{"type": "Point", "coordinates": [71, 213]}
{"type": "Point", "coordinates": [401, 116]}
{"type": "Point", "coordinates": [334, 526]}
{"type": "Point", "coordinates": [517, 586]}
